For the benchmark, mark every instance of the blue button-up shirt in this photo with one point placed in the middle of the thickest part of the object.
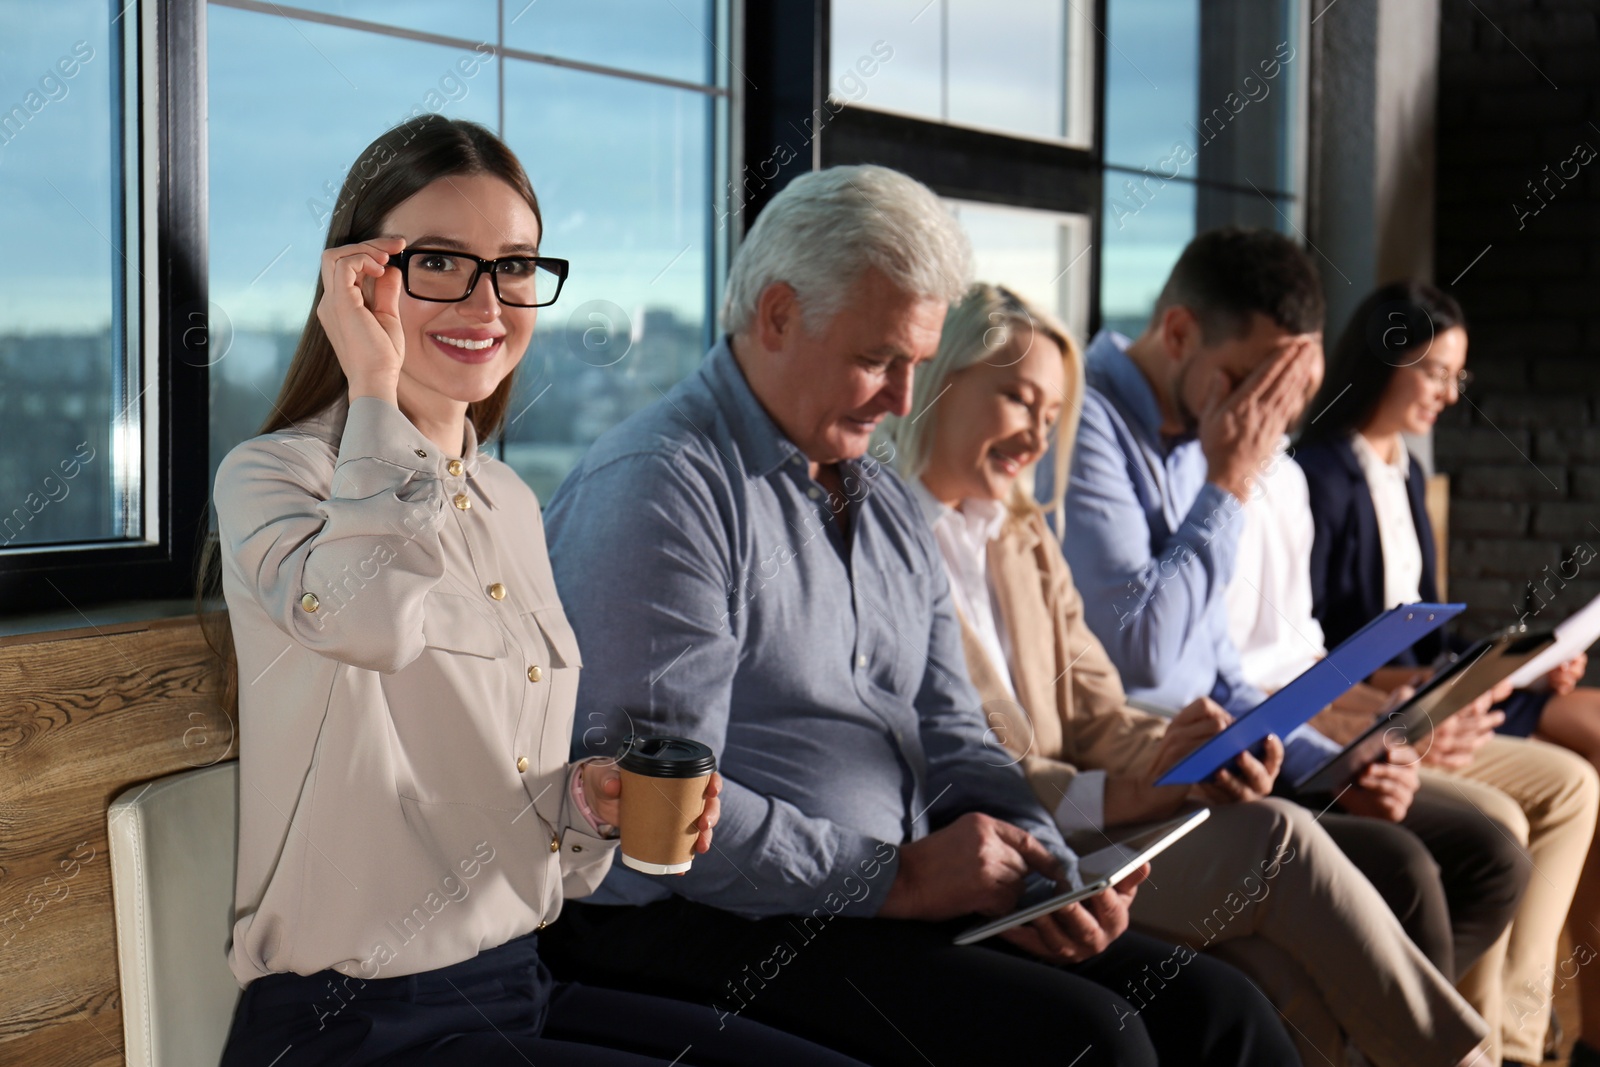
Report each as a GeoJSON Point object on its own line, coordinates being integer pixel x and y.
{"type": "Point", "coordinates": [715, 597]}
{"type": "Point", "coordinates": [1152, 545]}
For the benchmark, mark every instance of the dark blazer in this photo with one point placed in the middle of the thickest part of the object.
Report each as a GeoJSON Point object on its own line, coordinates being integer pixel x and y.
{"type": "Point", "coordinates": [1347, 556]}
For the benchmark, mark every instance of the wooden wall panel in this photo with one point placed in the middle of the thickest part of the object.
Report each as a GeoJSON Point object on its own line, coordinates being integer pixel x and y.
{"type": "Point", "coordinates": [84, 714]}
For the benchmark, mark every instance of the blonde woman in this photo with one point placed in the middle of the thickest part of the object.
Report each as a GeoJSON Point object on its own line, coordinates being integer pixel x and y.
{"type": "Point", "coordinates": [1262, 885]}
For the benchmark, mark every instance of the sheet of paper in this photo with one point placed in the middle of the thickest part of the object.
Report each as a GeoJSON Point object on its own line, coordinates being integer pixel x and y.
{"type": "Point", "coordinates": [1576, 634]}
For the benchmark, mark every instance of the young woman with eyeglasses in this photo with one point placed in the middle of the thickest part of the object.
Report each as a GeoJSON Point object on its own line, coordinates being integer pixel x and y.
{"type": "Point", "coordinates": [1400, 362]}
{"type": "Point", "coordinates": [403, 670]}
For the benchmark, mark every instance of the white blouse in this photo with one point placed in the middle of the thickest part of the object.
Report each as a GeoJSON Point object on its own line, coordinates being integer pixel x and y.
{"type": "Point", "coordinates": [1397, 533]}
{"type": "Point", "coordinates": [964, 535]}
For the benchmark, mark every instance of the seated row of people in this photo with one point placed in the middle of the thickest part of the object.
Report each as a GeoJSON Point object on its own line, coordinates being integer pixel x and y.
{"type": "Point", "coordinates": [905, 559]}
{"type": "Point", "coordinates": [1178, 427]}
{"type": "Point", "coordinates": [1342, 533]}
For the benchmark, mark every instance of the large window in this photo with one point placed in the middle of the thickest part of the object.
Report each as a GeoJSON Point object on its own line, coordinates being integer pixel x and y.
{"type": "Point", "coordinates": [616, 108]}
{"type": "Point", "coordinates": [1041, 255]}
{"type": "Point", "coordinates": [169, 171]}
{"type": "Point", "coordinates": [102, 327]}
{"type": "Point", "coordinates": [993, 105]}
{"type": "Point", "coordinates": [1020, 67]}
{"type": "Point", "coordinates": [1204, 116]}
{"type": "Point", "coordinates": [72, 412]}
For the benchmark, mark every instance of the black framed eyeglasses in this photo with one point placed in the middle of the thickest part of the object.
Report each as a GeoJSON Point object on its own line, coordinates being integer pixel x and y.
{"type": "Point", "coordinates": [448, 277]}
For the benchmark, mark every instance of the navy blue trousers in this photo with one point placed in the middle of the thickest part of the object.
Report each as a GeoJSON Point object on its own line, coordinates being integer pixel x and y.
{"type": "Point", "coordinates": [499, 1008]}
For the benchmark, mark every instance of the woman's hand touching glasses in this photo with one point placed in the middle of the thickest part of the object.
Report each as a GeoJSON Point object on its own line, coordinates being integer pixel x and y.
{"type": "Point", "coordinates": [360, 310]}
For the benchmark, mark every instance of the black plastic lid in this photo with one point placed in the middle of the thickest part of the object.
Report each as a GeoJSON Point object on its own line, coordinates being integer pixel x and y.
{"type": "Point", "coordinates": [667, 757]}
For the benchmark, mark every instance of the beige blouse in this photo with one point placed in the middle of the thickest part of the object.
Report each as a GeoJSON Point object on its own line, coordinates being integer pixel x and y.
{"type": "Point", "coordinates": [406, 689]}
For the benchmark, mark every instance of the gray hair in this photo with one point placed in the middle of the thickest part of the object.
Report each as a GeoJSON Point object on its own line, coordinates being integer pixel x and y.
{"type": "Point", "coordinates": [826, 227]}
{"type": "Point", "coordinates": [984, 321]}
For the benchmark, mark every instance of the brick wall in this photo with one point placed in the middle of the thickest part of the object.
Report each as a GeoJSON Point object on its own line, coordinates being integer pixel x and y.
{"type": "Point", "coordinates": [1519, 92]}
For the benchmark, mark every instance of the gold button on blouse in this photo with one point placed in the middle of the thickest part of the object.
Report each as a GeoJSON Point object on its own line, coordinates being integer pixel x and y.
{"type": "Point", "coordinates": [555, 846]}
{"type": "Point", "coordinates": [462, 501]}
{"type": "Point", "coordinates": [522, 764]}
{"type": "Point", "coordinates": [309, 602]}
{"type": "Point", "coordinates": [454, 467]}
{"type": "Point", "coordinates": [534, 673]}
{"type": "Point", "coordinates": [497, 591]}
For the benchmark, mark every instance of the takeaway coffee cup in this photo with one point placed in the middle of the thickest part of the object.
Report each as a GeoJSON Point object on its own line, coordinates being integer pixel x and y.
{"type": "Point", "coordinates": [663, 786]}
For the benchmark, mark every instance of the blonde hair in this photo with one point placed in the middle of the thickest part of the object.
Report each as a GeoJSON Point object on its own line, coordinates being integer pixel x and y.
{"type": "Point", "coordinates": [985, 320]}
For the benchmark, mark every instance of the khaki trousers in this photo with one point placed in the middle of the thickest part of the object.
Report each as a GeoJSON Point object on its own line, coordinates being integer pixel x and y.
{"type": "Point", "coordinates": [1264, 886]}
{"type": "Point", "coordinates": [1546, 798]}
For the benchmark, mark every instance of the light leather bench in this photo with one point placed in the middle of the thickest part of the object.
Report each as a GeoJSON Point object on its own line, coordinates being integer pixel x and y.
{"type": "Point", "coordinates": [173, 842]}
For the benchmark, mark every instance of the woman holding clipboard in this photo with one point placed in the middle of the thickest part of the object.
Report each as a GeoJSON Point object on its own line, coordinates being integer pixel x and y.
{"type": "Point", "coordinates": [1295, 913]}
{"type": "Point", "coordinates": [405, 674]}
{"type": "Point", "coordinates": [1399, 363]}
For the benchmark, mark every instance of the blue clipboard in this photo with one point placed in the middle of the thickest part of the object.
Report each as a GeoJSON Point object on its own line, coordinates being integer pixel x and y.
{"type": "Point", "coordinates": [1369, 648]}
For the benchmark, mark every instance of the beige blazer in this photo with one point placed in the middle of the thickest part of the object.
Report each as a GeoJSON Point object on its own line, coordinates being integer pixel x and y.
{"type": "Point", "coordinates": [1070, 712]}
{"type": "Point", "coordinates": [406, 689]}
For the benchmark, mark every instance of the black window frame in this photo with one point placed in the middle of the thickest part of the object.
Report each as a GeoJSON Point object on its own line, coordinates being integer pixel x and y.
{"type": "Point", "coordinates": [788, 41]}
{"type": "Point", "coordinates": [782, 125]}
{"type": "Point", "coordinates": [55, 578]}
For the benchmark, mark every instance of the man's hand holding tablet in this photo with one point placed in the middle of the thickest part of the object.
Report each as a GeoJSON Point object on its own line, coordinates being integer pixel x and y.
{"type": "Point", "coordinates": [981, 865]}
{"type": "Point", "coordinates": [1079, 931]}
{"type": "Point", "coordinates": [1067, 923]}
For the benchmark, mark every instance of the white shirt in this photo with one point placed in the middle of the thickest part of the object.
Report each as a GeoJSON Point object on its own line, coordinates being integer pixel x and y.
{"type": "Point", "coordinates": [963, 535]}
{"type": "Point", "coordinates": [1269, 599]}
{"type": "Point", "coordinates": [1397, 533]}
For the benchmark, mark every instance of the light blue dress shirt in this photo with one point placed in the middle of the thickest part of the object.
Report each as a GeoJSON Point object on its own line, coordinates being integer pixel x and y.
{"type": "Point", "coordinates": [1152, 545]}
{"type": "Point", "coordinates": [714, 597]}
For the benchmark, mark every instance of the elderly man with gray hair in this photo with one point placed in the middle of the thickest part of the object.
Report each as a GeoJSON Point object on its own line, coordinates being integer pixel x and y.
{"type": "Point", "coordinates": [739, 570]}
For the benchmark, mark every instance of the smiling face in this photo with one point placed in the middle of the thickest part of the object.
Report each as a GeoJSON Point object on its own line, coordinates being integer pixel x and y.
{"type": "Point", "coordinates": [829, 390]}
{"type": "Point", "coordinates": [1418, 392]}
{"type": "Point", "coordinates": [458, 353]}
{"type": "Point", "coordinates": [994, 420]}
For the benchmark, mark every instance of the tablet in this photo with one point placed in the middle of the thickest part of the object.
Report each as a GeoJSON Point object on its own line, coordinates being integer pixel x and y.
{"type": "Point", "coordinates": [1369, 648]}
{"type": "Point", "coordinates": [1100, 870]}
{"type": "Point", "coordinates": [1477, 669]}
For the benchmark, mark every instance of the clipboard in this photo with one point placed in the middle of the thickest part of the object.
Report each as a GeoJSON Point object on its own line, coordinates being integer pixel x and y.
{"type": "Point", "coordinates": [1477, 670]}
{"type": "Point", "coordinates": [1369, 648]}
{"type": "Point", "coordinates": [1100, 870]}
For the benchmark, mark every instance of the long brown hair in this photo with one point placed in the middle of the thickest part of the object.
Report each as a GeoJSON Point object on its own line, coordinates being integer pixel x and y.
{"type": "Point", "coordinates": [389, 171]}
